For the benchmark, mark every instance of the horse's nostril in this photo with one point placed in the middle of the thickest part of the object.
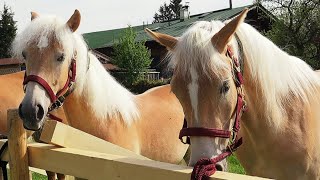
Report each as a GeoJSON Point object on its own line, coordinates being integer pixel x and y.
{"type": "Point", "coordinates": [40, 112]}
{"type": "Point", "coordinates": [219, 167]}
{"type": "Point", "coordinates": [20, 111]}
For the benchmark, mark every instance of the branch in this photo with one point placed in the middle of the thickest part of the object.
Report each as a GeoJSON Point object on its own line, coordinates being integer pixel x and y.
{"type": "Point", "coordinates": [290, 14]}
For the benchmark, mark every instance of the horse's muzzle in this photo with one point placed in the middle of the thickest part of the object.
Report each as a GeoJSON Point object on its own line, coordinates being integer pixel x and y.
{"type": "Point", "coordinates": [32, 116]}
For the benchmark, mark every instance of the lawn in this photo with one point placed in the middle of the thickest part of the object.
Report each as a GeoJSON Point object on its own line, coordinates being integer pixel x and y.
{"type": "Point", "coordinates": [234, 166]}
{"type": "Point", "coordinates": [36, 176]}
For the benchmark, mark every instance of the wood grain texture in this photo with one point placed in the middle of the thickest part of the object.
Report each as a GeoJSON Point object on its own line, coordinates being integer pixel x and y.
{"type": "Point", "coordinates": [17, 145]}
{"type": "Point", "coordinates": [96, 166]}
{"type": "Point", "coordinates": [66, 136]}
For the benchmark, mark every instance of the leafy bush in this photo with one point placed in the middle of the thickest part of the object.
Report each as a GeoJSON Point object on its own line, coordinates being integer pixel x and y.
{"type": "Point", "coordinates": [143, 85]}
{"type": "Point", "coordinates": [131, 56]}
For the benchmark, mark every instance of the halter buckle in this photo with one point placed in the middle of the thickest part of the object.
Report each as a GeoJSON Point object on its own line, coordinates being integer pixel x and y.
{"type": "Point", "coordinates": [57, 104]}
{"type": "Point", "coordinates": [186, 141]}
{"type": "Point", "coordinates": [237, 68]}
{"type": "Point", "coordinates": [74, 56]}
{"type": "Point", "coordinates": [233, 136]}
{"type": "Point", "coordinates": [244, 105]}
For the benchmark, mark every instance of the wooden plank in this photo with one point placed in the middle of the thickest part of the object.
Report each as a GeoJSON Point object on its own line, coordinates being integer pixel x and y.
{"type": "Point", "coordinates": [37, 170]}
{"type": "Point", "coordinates": [63, 135]}
{"type": "Point", "coordinates": [17, 146]}
{"type": "Point", "coordinates": [94, 165]}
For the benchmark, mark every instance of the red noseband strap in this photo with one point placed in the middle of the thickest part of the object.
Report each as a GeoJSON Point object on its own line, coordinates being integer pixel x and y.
{"type": "Point", "coordinates": [199, 131]}
{"type": "Point", "coordinates": [42, 83]}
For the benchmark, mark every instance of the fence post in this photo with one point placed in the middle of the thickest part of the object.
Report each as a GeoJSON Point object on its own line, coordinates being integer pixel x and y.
{"type": "Point", "coordinates": [1, 174]}
{"type": "Point", "coordinates": [17, 143]}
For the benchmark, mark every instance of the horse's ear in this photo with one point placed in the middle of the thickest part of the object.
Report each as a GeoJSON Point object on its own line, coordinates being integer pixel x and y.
{"type": "Point", "coordinates": [74, 22]}
{"type": "Point", "coordinates": [164, 39]}
{"type": "Point", "coordinates": [34, 15]}
{"type": "Point", "coordinates": [221, 39]}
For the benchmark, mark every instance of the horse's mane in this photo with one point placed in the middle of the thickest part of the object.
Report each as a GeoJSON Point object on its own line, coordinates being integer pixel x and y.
{"type": "Point", "coordinates": [195, 49]}
{"type": "Point", "coordinates": [279, 75]}
{"type": "Point", "coordinates": [106, 97]}
{"type": "Point", "coordinates": [282, 78]}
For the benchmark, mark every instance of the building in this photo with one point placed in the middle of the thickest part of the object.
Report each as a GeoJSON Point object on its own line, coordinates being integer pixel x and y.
{"type": "Point", "coordinates": [9, 65]}
{"type": "Point", "coordinates": [103, 41]}
{"type": "Point", "coordinates": [106, 61]}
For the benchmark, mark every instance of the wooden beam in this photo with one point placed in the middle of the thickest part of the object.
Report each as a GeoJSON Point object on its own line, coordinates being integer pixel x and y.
{"type": "Point", "coordinates": [17, 145]}
{"type": "Point", "coordinates": [94, 165]}
{"type": "Point", "coordinates": [63, 135]}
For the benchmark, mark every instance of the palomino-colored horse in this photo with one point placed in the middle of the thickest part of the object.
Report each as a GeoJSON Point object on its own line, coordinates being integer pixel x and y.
{"type": "Point", "coordinates": [280, 129]}
{"type": "Point", "coordinates": [11, 95]}
{"type": "Point", "coordinates": [147, 124]}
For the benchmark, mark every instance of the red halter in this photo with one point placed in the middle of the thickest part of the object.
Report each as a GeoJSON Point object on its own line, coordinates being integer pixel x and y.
{"type": "Point", "coordinates": [56, 99]}
{"type": "Point", "coordinates": [205, 167]}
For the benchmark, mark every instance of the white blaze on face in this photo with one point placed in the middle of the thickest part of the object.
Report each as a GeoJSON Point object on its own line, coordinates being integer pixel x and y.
{"type": "Point", "coordinates": [216, 141]}
{"type": "Point", "coordinates": [43, 42]}
{"type": "Point", "coordinates": [193, 88]}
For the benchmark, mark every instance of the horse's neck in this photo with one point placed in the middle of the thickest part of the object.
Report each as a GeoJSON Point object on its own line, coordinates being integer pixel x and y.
{"type": "Point", "coordinates": [273, 79]}
{"type": "Point", "coordinates": [255, 118]}
{"type": "Point", "coordinates": [97, 101]}
{"type": "Point", "coordinates": [264, 139]}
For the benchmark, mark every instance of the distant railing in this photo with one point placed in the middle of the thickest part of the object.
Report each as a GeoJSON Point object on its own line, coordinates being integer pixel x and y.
{"type": "Point", "coordinates": [151, 74]}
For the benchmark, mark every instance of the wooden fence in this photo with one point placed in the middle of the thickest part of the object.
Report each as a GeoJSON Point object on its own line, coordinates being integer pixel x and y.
{"type": "Point", "coordinates": [73, 152]}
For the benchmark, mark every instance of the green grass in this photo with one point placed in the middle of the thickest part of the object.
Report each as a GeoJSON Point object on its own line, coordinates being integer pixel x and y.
{"type": "Point", "coordinates": [36, 176]}
{"type": "Point", "coordinates": [234, 166]}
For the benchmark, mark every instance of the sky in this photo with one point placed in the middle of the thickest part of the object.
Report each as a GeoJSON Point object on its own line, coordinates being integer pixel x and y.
{"type": "Point", "coordinates": [100, 15]}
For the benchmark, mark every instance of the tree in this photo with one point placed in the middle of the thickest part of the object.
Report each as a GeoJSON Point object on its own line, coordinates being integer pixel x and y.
{"type": "Point", "coordinates": [165, 14]}
{"type": "Point", "coordinates": [168, 12]}
{"type": "Point", "coordinates": [131, 56]}
{"type": "Point", "coordinates": [175, 6]}
{"type": "Point", "coordinates": [297, 29]}
{"type": "Point", "coordinates": [8, 30]}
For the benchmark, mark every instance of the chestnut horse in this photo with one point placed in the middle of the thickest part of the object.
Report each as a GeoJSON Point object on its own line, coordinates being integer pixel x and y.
{"type": "Point", "coordinates": [147, 124]}
{"type": "Point", "coordinates": [215, 64]}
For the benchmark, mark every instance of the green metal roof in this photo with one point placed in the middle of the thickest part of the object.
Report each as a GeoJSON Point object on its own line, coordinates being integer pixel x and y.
{"type": "Point", "coordinates": [174, 28]}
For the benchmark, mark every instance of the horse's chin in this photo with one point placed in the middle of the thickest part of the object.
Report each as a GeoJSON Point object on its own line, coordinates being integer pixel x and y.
{"type": "Point", "coordinates": [32, 125]}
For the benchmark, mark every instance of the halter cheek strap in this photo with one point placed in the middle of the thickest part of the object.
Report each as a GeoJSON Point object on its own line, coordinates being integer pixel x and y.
{"type": "Point", "coordinates": [205, 167]}
{"type": "Point", "coordinates": [42, 83]}
{"type": "Point", "coordinates": [57, 100]}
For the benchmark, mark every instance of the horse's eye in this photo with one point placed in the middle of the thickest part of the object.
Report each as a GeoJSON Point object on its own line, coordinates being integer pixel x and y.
{"type": "Point", "coordinates": [24, 54]}
{"type": "Point", "coordinates": [225, 87]}
{"type": "Point", "coordinates": [61, 57]}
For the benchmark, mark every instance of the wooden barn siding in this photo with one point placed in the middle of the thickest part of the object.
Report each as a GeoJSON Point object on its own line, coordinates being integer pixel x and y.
{"type": "Point", "coordinates": [8, 69]}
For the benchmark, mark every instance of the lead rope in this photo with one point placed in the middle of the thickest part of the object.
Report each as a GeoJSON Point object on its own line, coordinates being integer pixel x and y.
{"type": "Point", "coordinates": [206, 167]}
{"type": "Point", "coordinates": [3, 164]}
